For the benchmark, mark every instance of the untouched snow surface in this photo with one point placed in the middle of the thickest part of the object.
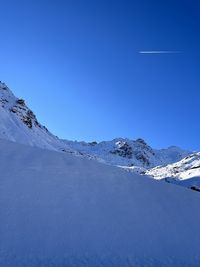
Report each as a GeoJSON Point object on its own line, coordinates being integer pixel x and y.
{"type": "Point", "coordinates": [61, 210]}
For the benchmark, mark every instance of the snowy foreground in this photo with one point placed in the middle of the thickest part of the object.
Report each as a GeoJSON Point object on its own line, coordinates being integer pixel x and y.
{"type": "Point", "coordinates": [57, 209]}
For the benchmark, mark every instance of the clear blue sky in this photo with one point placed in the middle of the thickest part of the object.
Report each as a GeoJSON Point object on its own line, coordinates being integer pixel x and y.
{"type": "Point", "coordinates": [77, 65]}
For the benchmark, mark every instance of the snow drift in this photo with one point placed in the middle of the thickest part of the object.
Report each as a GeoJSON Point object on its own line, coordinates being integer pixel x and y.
{"type": "Point", "coordinates": [57, 209]}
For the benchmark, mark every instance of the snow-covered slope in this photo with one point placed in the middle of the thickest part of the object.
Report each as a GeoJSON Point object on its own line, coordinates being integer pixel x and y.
{"type": "Point", "coordinates": [18, 123]}
{"type": "Point", "coordinates": [185, 172]}
{"type": "Point", "coordinates": [124, 152]}
{"type": "Point", "coordinates": [61, 210]}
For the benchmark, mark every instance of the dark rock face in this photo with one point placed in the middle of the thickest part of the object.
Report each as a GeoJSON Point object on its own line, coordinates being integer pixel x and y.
{"type": "Point", "coordinates": [25, 114]}
{"type": "Point", "coordinates": [195, 188]}
{"type": "Point", "coordinates": [141, 156]}
{"type": "Point", "coordinates": [136, 150]}
{"type": "Point", "coordinates": [3, 102]}
{"type": "Point", "coordinates": [20, 102]}
{"type": "Point", "coordinates": [124, 150]}
{"type": "Point", "coordinates": [94, 143]}
{"type": "Point", "coordinates": [141, 141]}
{"type": "Point", "coordinates": [27, 120]}
{"type": "Point", "coordinates": [4, 87]}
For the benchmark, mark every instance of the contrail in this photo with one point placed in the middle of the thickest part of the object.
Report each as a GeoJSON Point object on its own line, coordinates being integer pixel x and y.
{"type": "Point", "coordinates": [160, 52]}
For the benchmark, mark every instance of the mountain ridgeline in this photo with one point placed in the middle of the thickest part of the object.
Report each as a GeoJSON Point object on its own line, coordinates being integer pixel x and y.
{"type": "Point", "coordinates": [19, 124]}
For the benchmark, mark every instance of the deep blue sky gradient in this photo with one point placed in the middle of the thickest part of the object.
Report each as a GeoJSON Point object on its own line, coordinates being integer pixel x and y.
{"type": "Point", "coordinates": [77, 65]}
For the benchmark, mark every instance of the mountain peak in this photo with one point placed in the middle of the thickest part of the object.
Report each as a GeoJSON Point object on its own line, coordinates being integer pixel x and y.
{"type": "Point", "coordinates": [7, 98]}
{"type": "Point", "coordinates": [19, 123]}
{"type": "Point", "coordinates": [3, 85]}
{"type": "Point", "coordinates": [141, 141]}
{"type": "Point", "coordinates": [17, 106]}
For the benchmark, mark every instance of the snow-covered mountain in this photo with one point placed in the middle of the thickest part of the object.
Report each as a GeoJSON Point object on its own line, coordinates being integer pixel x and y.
{"type": "Point", "coordinates": [58, 209]}
{"type": "Point", "coordinates": [18, 123]}
{"type": "Point", "coordinates": [185, 172]}
{"type": "Point", "coordinates": [127, 153]}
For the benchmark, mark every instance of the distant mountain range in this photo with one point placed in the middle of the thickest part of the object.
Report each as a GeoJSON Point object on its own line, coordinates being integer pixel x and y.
{"type": "Point", "coordinates": [173, 164]}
